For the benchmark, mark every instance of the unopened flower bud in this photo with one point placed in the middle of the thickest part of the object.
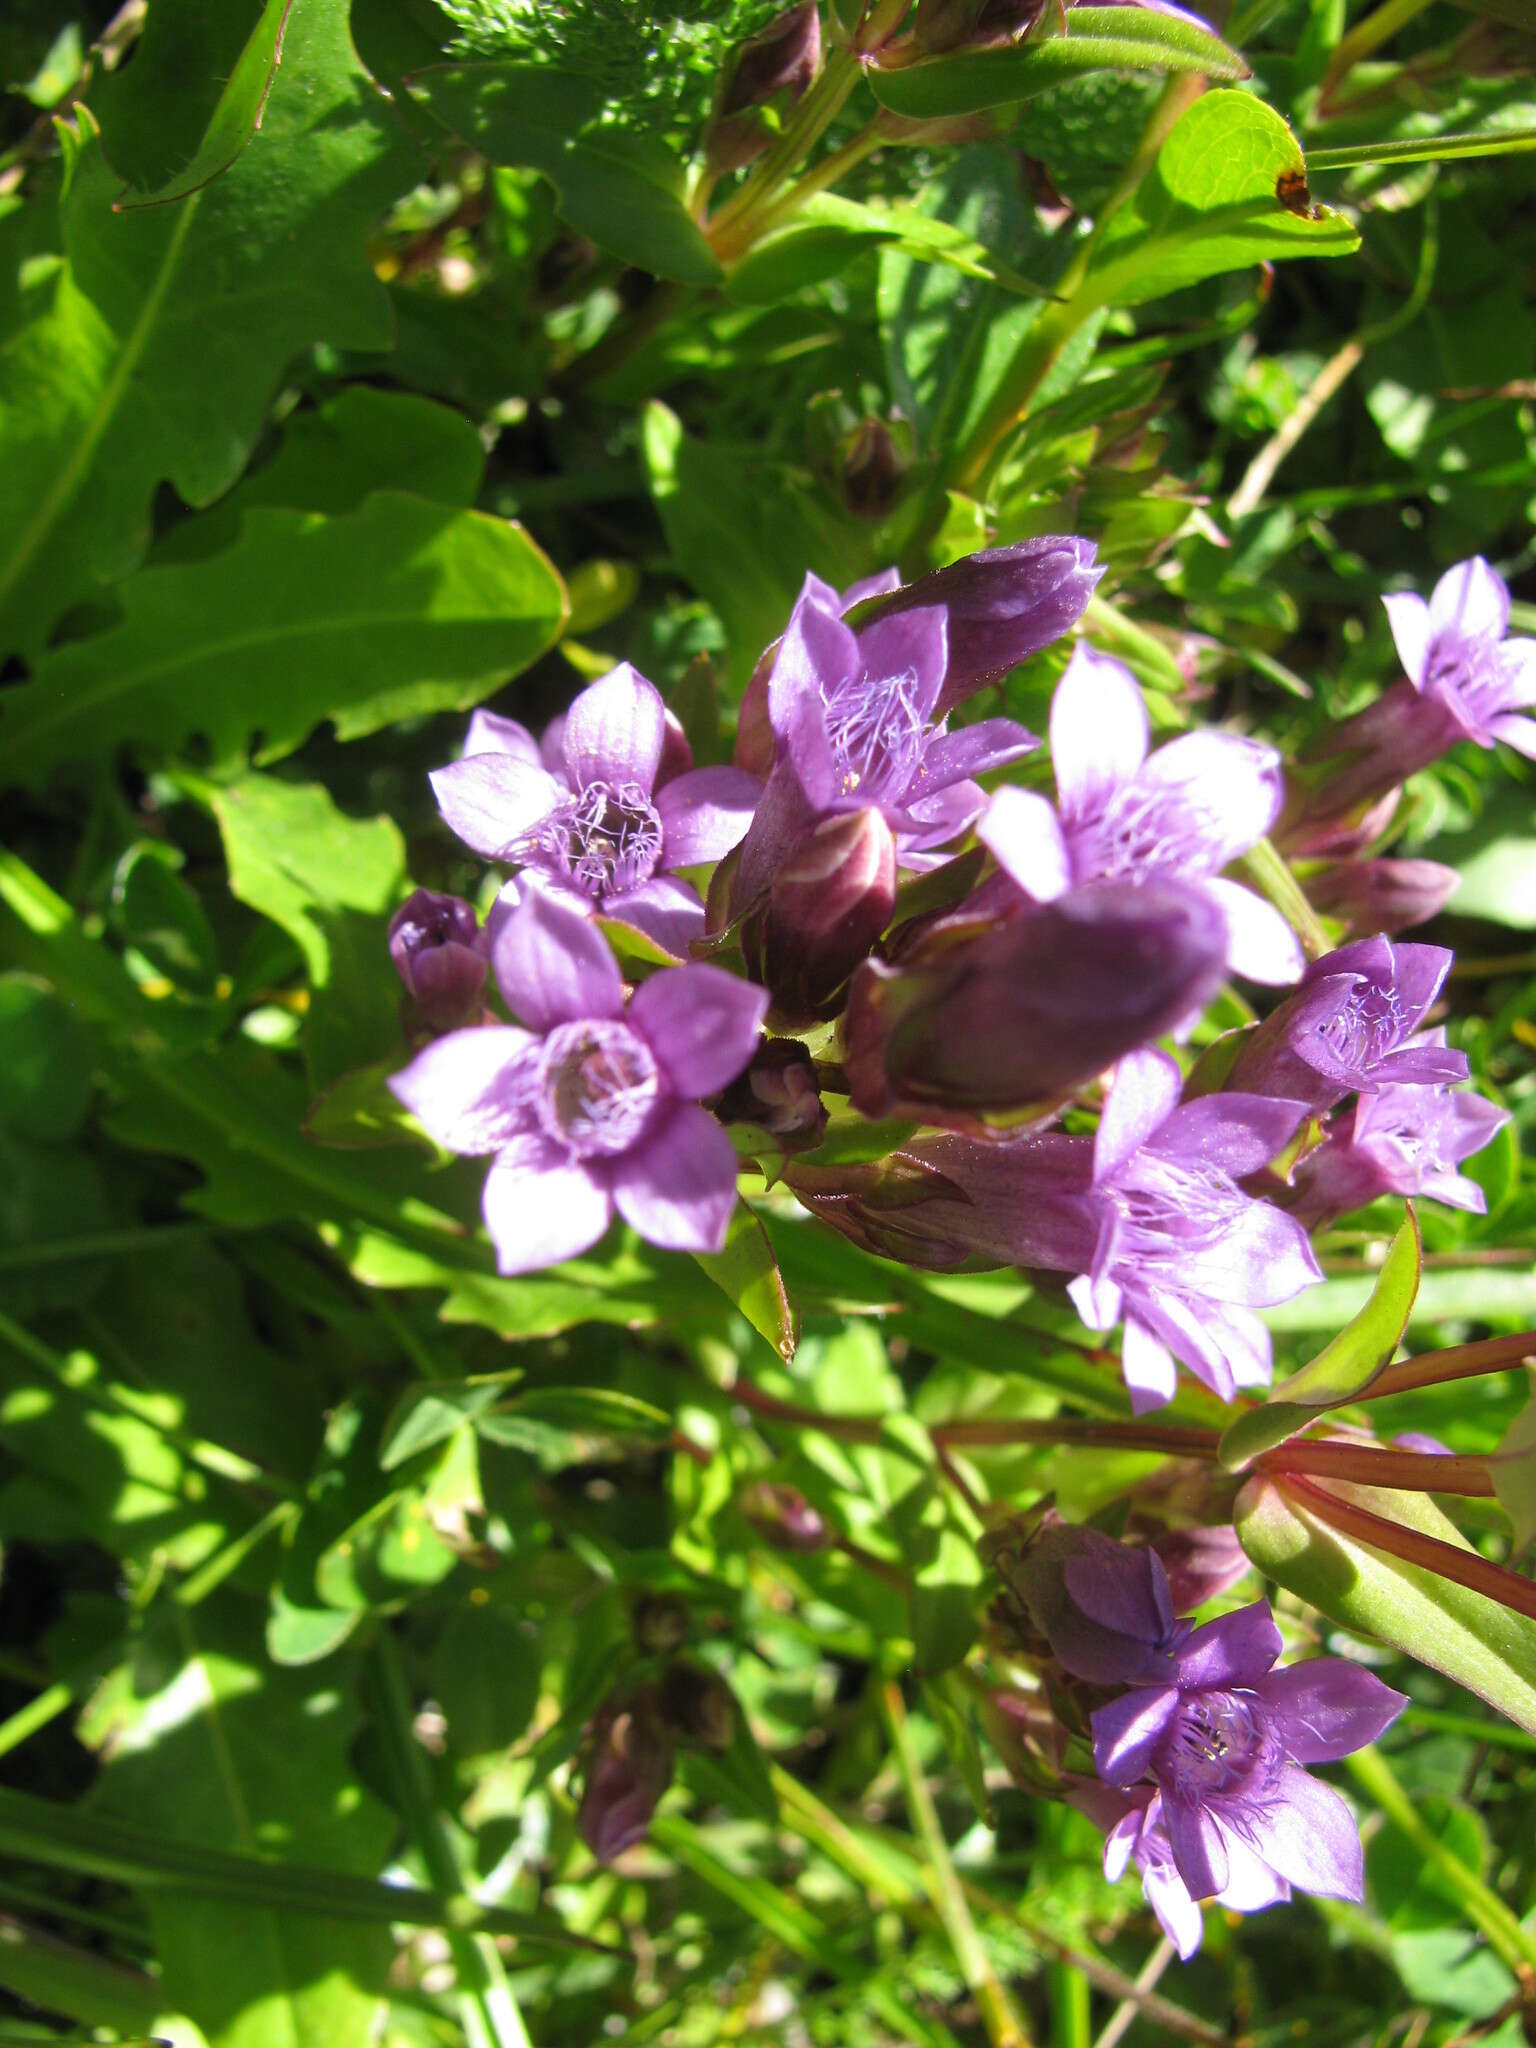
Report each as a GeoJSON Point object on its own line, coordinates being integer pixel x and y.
{"type": "Point", "coordinates": [772, 68]}
{"type": "Point", "coordinates": [1201, 1563]}
{"type": "Point", "coordinates": [700, 1707]}
{"type": "Point", "coordinates": [947, 24]}
{"type": "Point", "coordinates": [1103, 1606]}
{"type": "Point", "coordinates": [629, 1767]}
{"type": "Point", "coordinates": [433, 941]}
{"type": "Point", "coordinates": [827, 906]}
{"type": "Point", "coordinates": [782, 1516]}
{"type": "Point", "coordinates": [660, 1623]}
{"type": "Point", "coordinates": [1383, 895]}
{"type": "Point", "coordinates": [779, 1092]}
{"type": "Point", "coordinates": [873, 467]}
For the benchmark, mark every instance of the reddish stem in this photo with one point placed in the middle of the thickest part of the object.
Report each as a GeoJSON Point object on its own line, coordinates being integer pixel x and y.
{"type": "Point", "coordinates": [854, 1429]}
{"type": "Point", "coordinates": [1461, 1362]}
{"type": "Point", "coordinates": [1429, 1553]}
{"type": "Point", "coordinates": [1129, 1436]}
{"type": "Point", "coordinates": [1368, 1465]}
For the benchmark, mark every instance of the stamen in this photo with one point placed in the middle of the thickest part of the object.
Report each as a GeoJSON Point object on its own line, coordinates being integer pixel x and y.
{"type": "Point", "coordinates": [598, 1087]}
{"type": "Point", "coordinates": [606, 839]}
{"type": "Point", "coordinates": [878, 735]}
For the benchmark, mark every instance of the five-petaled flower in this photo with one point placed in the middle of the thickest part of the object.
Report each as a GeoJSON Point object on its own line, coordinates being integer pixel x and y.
{"type": "Point", "coordinates": [588, 1106]}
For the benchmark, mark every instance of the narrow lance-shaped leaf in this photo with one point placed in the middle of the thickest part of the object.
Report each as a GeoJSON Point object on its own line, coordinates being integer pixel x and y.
{"type": "Point", "coordinates": [237, 115]}
{"type": "Point", "coordinates": [747, 1272]}
{"type": "Point", "coordinates": [1344, 1368]}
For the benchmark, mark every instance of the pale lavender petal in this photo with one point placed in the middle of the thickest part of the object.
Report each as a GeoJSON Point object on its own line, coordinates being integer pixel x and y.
{"type": "Point", "coordinates": [1327, 1707]}
{"type": "Point", "coordinates": [1218, 790]}
{"type": "Point", "coordinates": [913, 645]}
{"type": "Point", "coordinates": [1199, 1852]}
{"type": "Point", "coordinates": [461, 1088]}
{"type": "Point", "coordinates": [817, 652]}
{"type": "Point", "coordinates": [1519, 733]}
{"type": "Point", "coordinates": [1187, 1330]}
{"type": "Point", "coordinates": [933, 821]}
{"type": "Point", "coordinates": [491, 800]}
{"type": "Point", "coordinates": [1099, 731]}
{"type": "Point", "coordinates": [1261, 946]}
{"type": "Point", "coordinates": [552, 746]}
{"type": "Point", "coordinates": [1251, 1885]}
{"type": "Point", "coordinates": [490, 733]}
{"type": "Point", "coordinates": [1128, 1730]}
{"type": "Point", "coordinates": [1176, 1912]}
{"type": "Point", "coordinates": [1470, 602]}
{"type": "Point", "coordinates": [1098, 1301]}
{"type": "Point", "coordinates": [1023, 834]}
{"type": "Point", "coordinates": [704, 813]}
{"type": "Point", "coordinates": [615, 731]}
{"type": "Point", "coordinates": [677, 1188]}
{"type": "Point", "coordinates": [1425, 1064]}
{"type": "Point", "coordinates": [976, 750]}
{"type": "Point", "coordinates": [1235, 1649]}
{"type": "Point", "coordinates": [1246, 1342]}
{"type": "Point", "coordinates": [1151, 1376]}
{"type": "Point", "coordinates": [1142, 1096]}
{"type": "Point", "coordinates": [1239, 1133]}
{"type": "Point", "coordinates": [1119, 1843]}
{"type": "Point", "coordinates": [1264, 1257]}
{"type": "Point", "coordinates": [553, 966]}
{"type": "Point", "coordinates": [701, 1023]}
{"type": "Point", "coordinates": [665, 910]}
{"type": "Point", "coordinates": [1306, 1833]}
{"type": "Point", "coordinates": [1408, 616]}
{"type": "Point", "coordinates": [541, 1205]}
{"type": "Point", "coordinates": [880, 585]}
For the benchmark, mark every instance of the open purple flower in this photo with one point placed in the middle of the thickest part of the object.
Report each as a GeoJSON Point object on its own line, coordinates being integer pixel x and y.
{"type": "Point", "coordinates": [856, 726]}
{"type": "Point", "coordinates": [1186, 810]}
{"type": "Point", "coordinates": [588, 1107]}
{"type": "Point", "coordinates": [1136, 1828]}
{"type": "Point", "coordinates": [1183, 1256]}
{"type": "Point", "coordinates": [1351, 1025]}
{"type": "Point", "coordinates": [593, 813]}
{"type": "Point", "coordinates": [1225, 1743]}
{"type": "Point", "coordinates": [1407, 1140]}
{"type": "Point", "coordinates": [1455, 655]}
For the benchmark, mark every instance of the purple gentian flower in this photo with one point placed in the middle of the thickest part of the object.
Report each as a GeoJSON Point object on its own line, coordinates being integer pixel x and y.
{"type": "Point", "coordinates": [435, 944]}
{"type": "Point", "coordinates": [590, 1107]}
{"type": "Point", "coordinates": [1455, 655]}
{"type": "Point", "coordinates": [592, 812]}
{"type": "Point", "coordinates": [1122, 814]}
{"type": "Point", "coordinates": [1407, 1140]}
{"type": "Point", "coordinates": [1136, 1828]}
{"type": "Point", "coordinates": [1350, 1026]}
{"type": "Point", "coordinates": [856, 726]}
{"type": "Point", "coordinates": [1183, 1256]}
{"type": "Point", "coordinates": [1225, 1742]}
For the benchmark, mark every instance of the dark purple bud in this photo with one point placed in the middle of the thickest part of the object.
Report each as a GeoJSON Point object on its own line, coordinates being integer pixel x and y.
{"type": "Point", "coordinates": [1004, 604]}
{"type": "Point", "coordinates": [1201, 1564]}
{"type": "Point", "coordinates": [779, 1092]}
{"type": "Point", "coordinates": [433, 941]}
{"type": "Point", "coordinates": [946, 24]}
{"type": "Point", "coordinates": [782, 1516]}
{"type": "Point", "coordinates": [1383, 895]}
{"type": "Point", "coordinates": [1102, 1606]}
{"type": "Point", "coordinates": [826, 907]}
{"type": "Point", "coordinates": [773, 67]}
{"type": "Point", "coordinates": [698, 1706]}
{"type": "Point", "coordinates": [629, 1767]}
{"type": "Point", "coordinates": [1032, 1007]}
{"type": "Point", "coordinates": [873, 467]}
{"type": "Point", "coordinates": [661, 1624]}
{"type": "Point", "coordinates": [905, 1208]}
{"type": "Point", "coordinates": [1339, 837]}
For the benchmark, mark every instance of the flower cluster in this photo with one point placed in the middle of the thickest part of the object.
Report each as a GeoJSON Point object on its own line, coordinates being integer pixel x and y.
{"type": "Point", "coordinates": [1200, 1745]}
{"type": "Point", "coordinates": [989, 962]}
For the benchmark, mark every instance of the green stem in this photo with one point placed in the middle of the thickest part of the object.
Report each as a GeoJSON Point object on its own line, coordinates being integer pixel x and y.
{"type": "Point", "coordinates": [1069, 2006]}
{"type": "Point", "coordinates": [490, 2012]}
{"type": "Point", "coordinates": [806, 125]}
{"type": "Point", "coordinates": [826, 174]}
{"type": "Point", "coordinates": [1470, 1725]}
{"type": "Point", "coordinates": [1486, 1911]}
{"type": "Point", "coordinates": [1004, 2028]}
{"type": "Point", "coordinates": [1269, 872]}
{"type": "Point", "coordinates": [36, 1714]}
{"type": "Point", "coordinates": [1364, 37]}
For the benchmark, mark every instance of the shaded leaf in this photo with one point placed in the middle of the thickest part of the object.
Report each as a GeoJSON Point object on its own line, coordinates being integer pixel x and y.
{"type": "Point", "coordinates": [747, 1273]}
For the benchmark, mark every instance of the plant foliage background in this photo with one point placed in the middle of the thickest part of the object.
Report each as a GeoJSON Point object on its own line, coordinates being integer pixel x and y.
{"type": "Point", "coordinates": [344, 386]}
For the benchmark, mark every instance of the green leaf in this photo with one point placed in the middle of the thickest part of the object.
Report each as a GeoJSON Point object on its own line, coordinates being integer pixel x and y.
{"type": "Point", "coordinates": [1412, 1894]}
{"type": "Point", "coordinates": [950, 1703]}
{"type": "Point", "coordinates": [140, 357]}
{"type": "Point", "coordinates": [1210, 205]}
{"type": "Point", "coordinates": [155, 912]}
{"type": "Point", "coordinates": [1344, 1368]}
{"type": "Point", "coordinates": [399, 608]}
{"type": "Point", "coordinates": [237, 115]}
{"type": "Point", "coordinates": [621, 189]}
{"type": "Point", "coordinates": [1094, 39]}
{"type": "Point", "coordinates": [1472, 1639]}
{"type": "Point", "coordinates": [563, 1426]}
{"type": "Point", "coordinates": [225, 1752]}
{"type": "Point", "coordinates": [424, 1416]}
{"type": "Point", "coordinates": [747, 1273]}
{"type": "Point", "coordinates": [46, 1061]}
{"type": "Point", "coordinates": [1514, 1471]}
{"type": "Point", "coordinates": [829, 232]}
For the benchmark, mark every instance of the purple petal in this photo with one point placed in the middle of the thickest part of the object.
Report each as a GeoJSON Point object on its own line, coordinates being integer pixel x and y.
{"type": "Point", "coordinates": [1262, 1258]}
{"type": "Point", "coordinates": [783, 819]}
{"type": "Point", "coordinates": [489, 733]}
{"type": "Point", "coordinates": [933, 821]}
{"type": "Point", "coordinates": [553, 966]}
{"type": "Point", "coordinates": [678, 1186]}
{"type": "Point", "coordinates": [1099, 731]}
{"type": "Point", "coordinates": [1327, 1708]}
{"type": "Point", "coordinates": [1124, 1589]}
{"type": "Point", "coordinates": [817, 653]}
{"type": "Point", "coordinates": [1426, 1065]}
{"type": "Point", "coordinates": [1024, 836]}
{"type": "Point", "coordinates": [1261, 946]}
{"type": "Point", "coordinates": [1251, 1885]}
{"type": "Point", "coordinates": [665, 910]}
{"type": "Point", "coordinates": [1223, 792]}
{"type": "Point", "coordinates": [911, 644]}
{"type": "Point", "coordinates": [1239, 1133]}
{"type": "Point", "coordinates": [541, 1205]}
{"type": "Point", "coordinates": [1470, 602]}
{"type": "Point", "coordinates": [1176, 1912]}
{"type": "Point", "coordinates": [552, 746]}
{"type": "Point", "coordinates": [976, 750]}
{"type": "Point", "coordinates": [701, 1023]}
{"type": "Point", "coordinates": [1235, 1649]}
{"type": "Point", "coordinates": [1148, 1368]}
{"type": "Point", "coordinates": [615, 731]}
{"type": "Point", "coordinates": [1306, 1833]}
{"type": "Point", "coordinates": [1519, 733]}
{"type": "Point", "coordinates": [461, 1088]}
{"type": "Point", "coordinates": [1128, 1730]}
{"type": "Point", "coordinates": [1199, 1852]}
{"type": "Point", "coordinates": [704, 813]}
{"type": "Point", "coordinates": [491, 800]}
{"type": "Point", "coordinates": [880, 585]}
{"type": "Point", "coordinates": [1408, 616]}
{"type": "Point", "coordinates": [1144, 1093]}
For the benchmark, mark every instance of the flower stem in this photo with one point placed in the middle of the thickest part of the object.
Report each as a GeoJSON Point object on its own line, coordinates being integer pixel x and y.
{"type": "Point", "coordinates": [1270, 872]}
{"type": "Point", "coordinates": [807, 124]}
{"type": "Point", "coordinates": [1460, 1362]}
{"type": "Point", "coordinates": [1366, 1465]}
